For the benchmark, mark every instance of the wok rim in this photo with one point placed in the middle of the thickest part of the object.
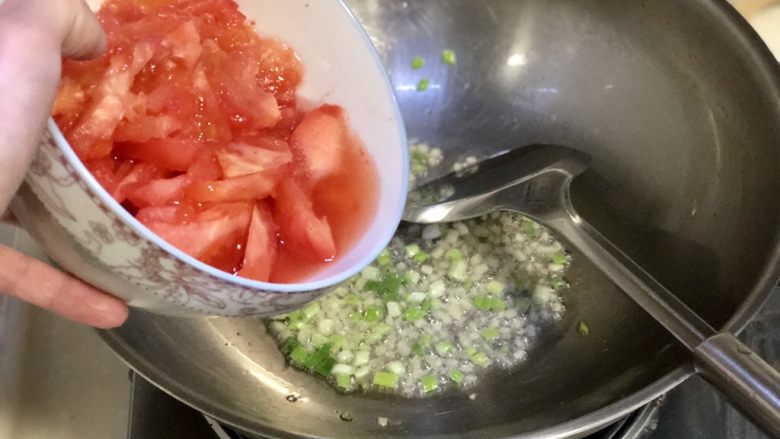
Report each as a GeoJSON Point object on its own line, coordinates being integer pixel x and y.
{"type": "Point", "coordinates": [766, 66]}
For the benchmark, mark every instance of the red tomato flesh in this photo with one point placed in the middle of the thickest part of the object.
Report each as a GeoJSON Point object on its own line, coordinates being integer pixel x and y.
{"type": "Point", "coordinates": [190, 121]}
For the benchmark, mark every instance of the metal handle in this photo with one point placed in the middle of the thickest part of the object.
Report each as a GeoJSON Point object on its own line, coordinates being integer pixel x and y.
{"type": "Point", "coordinates": [748, 381]}
{"type": "Point", "coordinates": [744, 378]}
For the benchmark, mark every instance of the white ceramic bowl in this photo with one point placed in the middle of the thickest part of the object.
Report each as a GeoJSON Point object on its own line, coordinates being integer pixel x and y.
{"type": "Point", "coordinates": [89, 234]}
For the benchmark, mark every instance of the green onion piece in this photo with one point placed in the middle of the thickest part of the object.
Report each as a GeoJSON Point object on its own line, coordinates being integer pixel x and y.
{"type": "Point", "coordinates": [386, 379]}
{"type": "Point", "coordinates": [497, 305]}
{"type": "Point", "coordinates": [289, 345]}
{"type": "Point", "coordinates": [417, 349]}
{"type": "Point", "coordinates": [421, 257]}
{"type": "Point", "coordinates": [583, 328]}
{"type": "Point", "coordinates": [429, 383]}
{"type": "Point", "coordinates": [383, 258]}
{"type": "Point", "coordinates": [530, 228]}
{"type": "Point", "coordinates": [412, 249]}
{"type": "Point", "coordinates": [373, 314]}
{"type": "Point", "coordinates": [423, 84]}
{"type": "Point", "coordinates": [454, 254]}
{"type": "Point", "coordinates": [489, 334]}
{"type": "Point", "coordinates": [311, 310]}
{"type": "Point", "coordinates": [343, 381]}
{"type": "Point", "coordinates": [297, 325]}
{"type": "Point", "coordinates": [337, 340]}
{"type": "Point", "coordinates": [456, 376]}
{"type": "Point", "coordinates": [413, 313]}
{"type": "Point", "coordinates": [458, 270]}
{"type": "Point", "coordinates": [443, 347]}
{"type": "Point", "coordinates": [351, 299]}
{"type": "Point", "coordinates": [299, 355]}
{"type": "Point", "coordinates": [559, 258]}
{"type": "Point", "coordinates": [418, 62]}
{"type": "Point", "coordinates": [480, 359]}
{"type": "Point", "coordinates": [425, 341]}
{"type": "Point", "coordinates": [387, 288]}
{"type": "Point", "coordinates": [426, 304]}
{"type": "Point", "coordinates": [469, 284]}
{"type": "Point", "coordinates": [448, 56]}
{"type": "Point", "coordinates": [523, 304]}
{"type": "Point", "coordinates": [361, 358]}
{"type": "Point", "coordinates": [557, 282]}
{"type": "Point", "coordinates": [482, 303]}
{"type": "Point", "coordinates": [320, 361]}
{"type": "Point", "coordinates": [495, 287]}
{"type": "Point", "coordinates": [471, 351]}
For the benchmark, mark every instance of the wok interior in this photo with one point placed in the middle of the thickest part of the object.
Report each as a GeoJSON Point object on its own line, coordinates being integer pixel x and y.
{"type": "Point", "coordinates": [683, 127]}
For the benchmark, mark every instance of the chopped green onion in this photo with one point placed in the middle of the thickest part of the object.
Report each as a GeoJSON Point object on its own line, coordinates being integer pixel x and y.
{"type": "Point", "coordinates": [393, 309]}
{"type": "Point", "coordinates": [421, 257]}
{"type": "Point", "coordinates": [386, 379]}
{"type": "Point", "coordinates": [370, 273]}
{"type": "Point", "coordinates": [413, 313]}
{"type": "Point", "coordinates": [437, 288]}
{"type": "Point", "coordinates": [448, 56]}
{"type": "Point", "coordinates": [342, 369]}
{"type": "Point", "coordinates": [456, 376]}
{"type": "Point", "coordinates": [559, 258]}
{"type": "Point", "coordinates": [497, 305]}
{"type": "Point", "coordinates": [373, 314]}
{"type": "Point", "coordinates": [489, 334]}
{"type": "Point", "coordinates": [480, 359]}
{"type": "Point", "coordinates": [482, 303]}
{"type": "Point", "coordinates": [583, 328]}
{"type": "Point", "coordinates": [443, 347]}
{"type": "Point", "coordinates": [418, 62]}
{"type": "Point", "coordinates": [429, 383]}
{"type": "Point", "coordinates": [351, 299]}
{"type": "Point", "coordinates": [457, 270]}
{"type": "Point", "coordinates": [384, 258]}
{"type": "Point", "coordinates": [320, 361]}
{"type": "Point", "coordinates": [412, 249]}
{"type": "Point", "coordinates": [361, 358]}
{"type": "Point", "coordinates": [299, 355]}
{"type": "Point", "coordinates": [343, 381]}
{"type": "Point", "coordinates": [495, 287]}
{"type": "Point", "coordinates": [311, 310]}
{"type": "Point", "coordinates": [396, 367]}
{"type": "Point", "coordinates": [423, 84]}
{"type": "Point", "coordinates": [416, 297]}
{"type": "Point", "coordinates": [470, 351]}
{"type": "Point", "coordinates": [454, 254]}
{"type": "Point", "coordinates": [387, 288]}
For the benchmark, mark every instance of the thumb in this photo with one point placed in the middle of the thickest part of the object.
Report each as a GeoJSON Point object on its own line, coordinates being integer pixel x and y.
{"type": "Point", "coordinates": [84, 37]}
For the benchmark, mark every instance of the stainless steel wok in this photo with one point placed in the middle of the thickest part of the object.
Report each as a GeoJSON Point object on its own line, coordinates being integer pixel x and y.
{"type": "Point", "coordinates": [677, 102]}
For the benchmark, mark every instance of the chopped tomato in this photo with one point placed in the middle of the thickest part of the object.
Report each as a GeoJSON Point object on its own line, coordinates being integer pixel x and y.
{"type": "Point", "coordinates": [248, 187]}
{"type": "Point", "coordinates": [319, 141]}
{"type": "Point", "coordinates": [171, 154]}
{"type": "Point", "coordinates": [241, 159]}
{"type": "Point", "coordinates": [260, 245]}
{"type": "Point", "coordinates": [139, 175]}
{"type": "Point", "coordinates": [214, 235]}
{"type": "Point", "coordinates": [300, 228]}
{"type": "Point", "coordinates": [190, 121]}
{"type": "Point", "coordinates": [159, 192]}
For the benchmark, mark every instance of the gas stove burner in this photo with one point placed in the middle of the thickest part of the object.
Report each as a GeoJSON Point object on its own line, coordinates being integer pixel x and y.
{"type": "Point", "coordinates": [155, 414]}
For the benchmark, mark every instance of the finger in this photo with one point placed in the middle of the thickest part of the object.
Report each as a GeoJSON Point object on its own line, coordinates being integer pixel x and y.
{"type": "Point", "coordinates": [84, 37]}
{"type": "Point", "coordinates": [39, 284]}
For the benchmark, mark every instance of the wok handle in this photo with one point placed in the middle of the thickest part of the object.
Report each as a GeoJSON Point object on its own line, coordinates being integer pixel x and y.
{"type": "Point", "coordinates": [751, 384]}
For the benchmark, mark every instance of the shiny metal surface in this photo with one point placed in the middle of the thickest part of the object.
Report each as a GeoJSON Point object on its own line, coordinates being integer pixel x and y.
{"type": "Point", "coordinates": [677, 103]}
{"type": "Point", "coordinates": [535, 180]}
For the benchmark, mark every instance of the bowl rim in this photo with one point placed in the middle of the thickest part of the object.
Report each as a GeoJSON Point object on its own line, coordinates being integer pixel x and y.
{"type": "Point", "coordinates": [381, 240]}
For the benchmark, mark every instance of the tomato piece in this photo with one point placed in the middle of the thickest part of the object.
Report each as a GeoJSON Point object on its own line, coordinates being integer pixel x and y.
{"type": "Point", "coordinates": [146, 128]}
{"type": "Point", "coordinates": [103, 171]}
{"type": "Point", "coordinates": [171, 154]}
{"type": "Point", "coordinates": [245, 188]}
{"type": "Point", "coordinates": [242, 159]}
{"type": "Point", "coordinates": [261, 245]}
{"type": "Point", "coordinates": [280, 70]}
{"type": "Point", "coordinates": [234, 77]}
{"type": "Point", "coordinates": [159, 192]}
{"type": "Point", "coordinates": [300, 229]}
{"type": "Point", "coordinates": [139, 175]}
{"type": "Point", "coordinates": [215, 235]}
{"type": "Point", "coordinates": [172, 215]}
{"type": "Point", "coordinates": [205, 166]}
{"type": "Point", "coordinates": [319, 141]}
{"type": "Point", "coordinates": [69, 102]}
{"type": "Point", "coordinates": [111, 100]}
{"type": "Point", "coordinates": [184, 43]}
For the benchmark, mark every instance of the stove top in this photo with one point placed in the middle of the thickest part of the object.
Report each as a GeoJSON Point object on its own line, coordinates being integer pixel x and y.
{"type": "Point", "coordinates": [693, 410]}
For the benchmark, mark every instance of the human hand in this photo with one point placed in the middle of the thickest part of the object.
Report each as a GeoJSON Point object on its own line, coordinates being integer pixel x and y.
{"type": "Point", "coordinates": [34, 36]}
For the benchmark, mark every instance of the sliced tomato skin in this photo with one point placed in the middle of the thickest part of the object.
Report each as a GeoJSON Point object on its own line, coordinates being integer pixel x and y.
{"type": "Point", "coordinates": [261, 245]}
{"type": "Point", "coordinates": [245, 188]}
{"type": "Point", "coordinates": [300, 229]}
{"type": "Point", "coordinates": [139, 175]}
